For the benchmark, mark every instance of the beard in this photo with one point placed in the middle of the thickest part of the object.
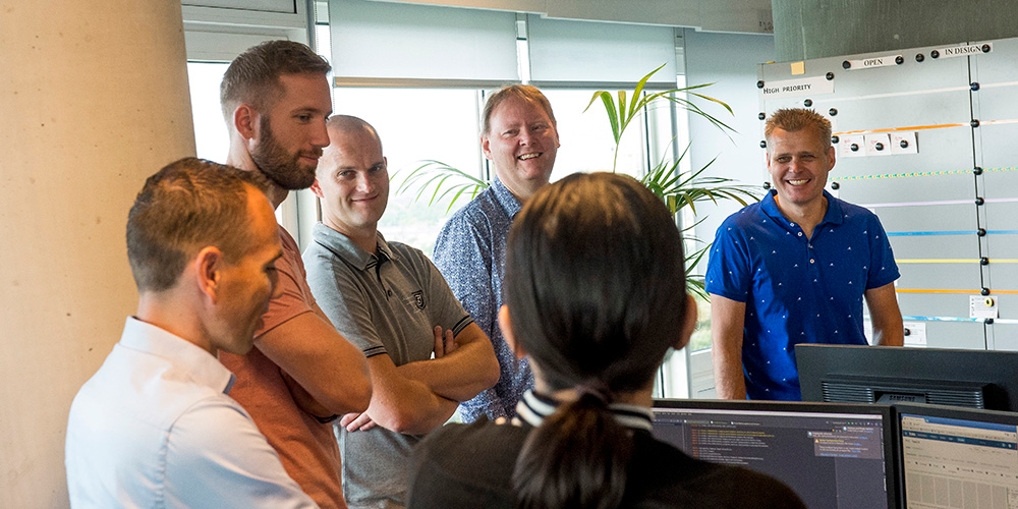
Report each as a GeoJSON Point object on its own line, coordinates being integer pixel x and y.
{"type": "Point", "coordinates": [281, 167]}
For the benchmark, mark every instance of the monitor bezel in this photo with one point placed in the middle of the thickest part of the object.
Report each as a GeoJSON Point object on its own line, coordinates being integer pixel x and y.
{"type": "Point", "coordinates": [886, 412]}
{"type": "Point", "coordinates": [816, 362]}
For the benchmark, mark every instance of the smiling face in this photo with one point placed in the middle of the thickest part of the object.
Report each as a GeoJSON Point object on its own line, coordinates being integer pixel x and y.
{"type": "Point", "coordinates": [292, 132]}
{"type": "Point", "coordinates": [521, 143]}
{"type": "Point", "coordinates": [799, 162]}
{"type": "Point", "coordinates": [248, 282]}
{"type": "Point", "coordinates": [353, 183]}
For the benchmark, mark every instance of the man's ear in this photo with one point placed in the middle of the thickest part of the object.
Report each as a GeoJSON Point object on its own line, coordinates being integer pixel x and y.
{"type": "Point", "coordinates": [208, 265]}
{"type": "Point", "coordinates": [245, 121]}
{"type": "Point", "coordinates": [486, 147]}
{"type": "Point", "coordinates": [688, 323]}
{"type": "Point", "coordinates": [317, 189]}
{"type": "Point", "coordinates": [507, 333]}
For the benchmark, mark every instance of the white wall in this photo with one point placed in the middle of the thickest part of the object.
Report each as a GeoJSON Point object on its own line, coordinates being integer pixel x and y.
{"type": "Point", "coordinates": [730, 62]}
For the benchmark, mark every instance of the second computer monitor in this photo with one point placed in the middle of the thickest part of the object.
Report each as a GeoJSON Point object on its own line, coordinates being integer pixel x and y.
{"type": "Point", "coordinates": [849, 373]}
{"type": "Point", "coordinates": [958, 457]}
{"type": "Point", "coordinates": [835, 456]}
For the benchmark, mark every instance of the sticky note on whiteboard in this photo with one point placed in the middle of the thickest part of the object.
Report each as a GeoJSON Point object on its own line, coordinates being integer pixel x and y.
{"type": "Point", "coordinates": [798, 68]}
{"type": "Point", "coordinates": [905, 143]}
{"type": "Point", "coordinates": [915, 333]}
{"type": "Point", "coordinates": [878, 144]}
{"type": "Point", "coordinates": [851, 146]}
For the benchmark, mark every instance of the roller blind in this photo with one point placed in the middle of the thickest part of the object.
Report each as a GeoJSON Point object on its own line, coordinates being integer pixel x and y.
{"type": "Point", "coordinates": [564, 52]}
{"type": "Point", "coordinates": [377, 43]}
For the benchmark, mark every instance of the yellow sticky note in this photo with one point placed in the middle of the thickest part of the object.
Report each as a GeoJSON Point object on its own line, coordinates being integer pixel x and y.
{"type": "Point", "coordinates": [798, 68]}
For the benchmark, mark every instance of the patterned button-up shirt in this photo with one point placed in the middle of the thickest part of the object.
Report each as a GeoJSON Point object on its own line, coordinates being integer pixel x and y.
{"type": "Point", "coordinates": [470, 253]}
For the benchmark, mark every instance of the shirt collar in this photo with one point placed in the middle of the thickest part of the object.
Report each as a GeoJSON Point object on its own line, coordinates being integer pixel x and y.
{"type": "Point", "coordinates": [202, 367]}
{"type": "Point", "coordinates": [347, 250]}
{"type": "Point", "coordinates": [533, 408]}
{"type": "Point", "coordinates": [833, 214]}
{"type": "Point", "coordinates": [505, 198]}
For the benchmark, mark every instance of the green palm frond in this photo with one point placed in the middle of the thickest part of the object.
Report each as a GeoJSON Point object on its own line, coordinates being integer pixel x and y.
{"type": "Point", "coordinates": [441, 181]}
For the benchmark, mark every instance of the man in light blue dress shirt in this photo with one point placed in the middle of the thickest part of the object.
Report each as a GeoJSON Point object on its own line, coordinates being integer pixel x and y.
{"type": "Point", "coordinates": [154, 427]}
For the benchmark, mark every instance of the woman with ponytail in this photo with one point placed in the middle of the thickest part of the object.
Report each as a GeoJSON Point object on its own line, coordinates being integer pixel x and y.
{"type": "Point", "coordinates": [594, 294]}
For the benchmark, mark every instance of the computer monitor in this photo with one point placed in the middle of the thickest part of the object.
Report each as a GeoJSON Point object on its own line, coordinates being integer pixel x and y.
{"type": "Point", "coordinates": [835, 456]}
{"type": "Point", "coordinates": [958, 457]}
{"type": "Point", "coordinates": [865, 374]}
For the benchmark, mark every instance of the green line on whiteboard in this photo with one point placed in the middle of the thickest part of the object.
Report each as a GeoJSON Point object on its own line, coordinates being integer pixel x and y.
{"type": "Point", "coordinates": [912, 174]}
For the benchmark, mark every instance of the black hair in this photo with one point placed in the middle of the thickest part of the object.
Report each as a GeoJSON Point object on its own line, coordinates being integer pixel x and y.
{"type": "Point", "coordinates": [595, 285]}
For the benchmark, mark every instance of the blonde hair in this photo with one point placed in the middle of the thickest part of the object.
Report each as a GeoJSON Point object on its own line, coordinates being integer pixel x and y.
{"type": "Point", "coordinates": [796, 119]}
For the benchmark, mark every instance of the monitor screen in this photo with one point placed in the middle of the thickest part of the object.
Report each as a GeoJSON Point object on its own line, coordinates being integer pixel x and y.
{"type": "Point", "coordinates": [835, 456]}
{"type": "Point", "coordinates": [955, 457]}
{"type": "Point", "coordinates": [943, 376]}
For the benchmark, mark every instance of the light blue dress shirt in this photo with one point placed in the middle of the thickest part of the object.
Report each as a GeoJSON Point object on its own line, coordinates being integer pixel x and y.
{"type": "Point", "coordinates": [154, 428]}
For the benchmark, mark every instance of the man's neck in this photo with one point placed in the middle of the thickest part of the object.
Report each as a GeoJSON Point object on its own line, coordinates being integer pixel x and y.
{"type": "Point", "coordinates": [239, 157]}
{"type": "Point", "coordinates": [365, 238]}
{"type": "Point", "coordinates": [807, 217]}
{"type": "Point", "coordinates": [169, 313]}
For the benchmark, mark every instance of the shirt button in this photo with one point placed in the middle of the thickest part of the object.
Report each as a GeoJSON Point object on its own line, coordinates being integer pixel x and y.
{"type": "Point", "coordinates": [810, 261]}
{"type": "Point", "coordinates": [800, 234]}
{"type": "Point", "coordinates": [389, 293]}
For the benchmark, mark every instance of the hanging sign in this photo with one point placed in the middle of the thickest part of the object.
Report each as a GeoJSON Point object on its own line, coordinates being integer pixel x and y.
{"type": "Point", "coordinates": [797, 87]}
{"type": "Point", "coordinates": [867, 63]}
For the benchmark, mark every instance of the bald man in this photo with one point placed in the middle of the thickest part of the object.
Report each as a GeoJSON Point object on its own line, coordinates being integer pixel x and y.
{"type": "Point", "coordinates": [388, 299]}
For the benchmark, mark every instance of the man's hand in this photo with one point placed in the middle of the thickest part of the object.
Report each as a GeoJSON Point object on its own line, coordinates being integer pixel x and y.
{"type": "Point", "coordinates": [445, 343]}
{"type": "Point", "coordinates": [357, 422]}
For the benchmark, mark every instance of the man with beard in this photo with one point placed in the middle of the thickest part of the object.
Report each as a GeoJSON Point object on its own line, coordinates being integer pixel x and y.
{"type": "Point", "coordinates": [301, 373]}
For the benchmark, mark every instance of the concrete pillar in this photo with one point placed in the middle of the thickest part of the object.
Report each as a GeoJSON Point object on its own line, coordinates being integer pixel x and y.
{"type": "Point", "coordinates": [93, 99]}
{"type": "Point", "coordinates": [805, 29]}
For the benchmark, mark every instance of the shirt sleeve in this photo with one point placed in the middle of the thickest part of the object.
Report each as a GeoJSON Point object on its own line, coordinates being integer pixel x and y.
{"type": "Point", "coordinates": [728, 265]}
{"type": "Point", "coordinates": [216, 457]}
{"type": "Point", "coordinates": [883, 269]}
{"type": "Point", "coordinates": [294, 295]}
{"type": "Point", "coordinates": [344, 302]}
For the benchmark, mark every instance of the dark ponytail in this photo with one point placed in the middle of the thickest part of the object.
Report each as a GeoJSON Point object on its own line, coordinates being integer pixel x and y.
{"type": "Point", "coordinates": [578, 458]}
{"type": "Point", "coordinates": [594, 282]}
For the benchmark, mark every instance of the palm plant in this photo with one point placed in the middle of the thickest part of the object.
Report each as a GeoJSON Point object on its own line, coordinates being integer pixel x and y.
{"type": "Point", "coordinates": [444, 180]}
{"type": "Point", "coordinates": [666, 179]}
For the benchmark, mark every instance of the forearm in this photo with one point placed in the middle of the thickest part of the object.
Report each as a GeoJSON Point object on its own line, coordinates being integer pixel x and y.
{"type": "Point", "coordinates": [460, 375]}
{"type": "Point", "coordinates": [885, 315]}
{"type": "Point", "coordinates": [729, 380]}
{"type": "Point", "coordinates": [415, 411]}
{"type": "Point", "coordinates": [727, 321]}
{"type": "Point", "coordinates": [889, 332]}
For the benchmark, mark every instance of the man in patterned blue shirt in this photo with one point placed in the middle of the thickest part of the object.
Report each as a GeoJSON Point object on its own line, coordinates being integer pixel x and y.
{"type": "Point", "coordinates": [520, 138]}
{"type": "Point", "coordinates": [795, 268]}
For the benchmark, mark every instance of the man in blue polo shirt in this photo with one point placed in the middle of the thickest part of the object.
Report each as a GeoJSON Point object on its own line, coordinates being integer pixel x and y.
{"type": "Point", "coordinates": [795, 268]}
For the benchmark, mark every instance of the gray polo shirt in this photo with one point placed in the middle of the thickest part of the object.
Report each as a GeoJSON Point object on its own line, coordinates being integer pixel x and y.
{"type": "Point", "coordinates": [384, 304]}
